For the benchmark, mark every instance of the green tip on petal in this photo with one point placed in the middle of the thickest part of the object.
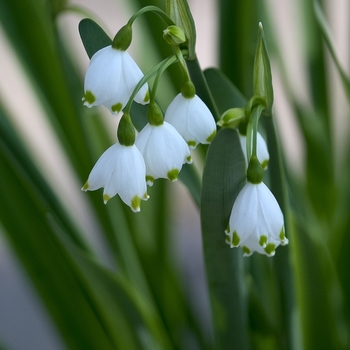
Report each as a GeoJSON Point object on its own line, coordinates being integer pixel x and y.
{"type": "Point", "coordinates": [149, 180]}
{"type": "Point", "coordinates": [265, 163]}
{"type": "Point", "coordinates": [228, 241]}
{"type": "Point", "coordinates": [116, 108]}
{"type": "Point", "coordinates": [228, 229]}
{"type": "Point", "coordinates": [145, 197]}
{"type": "Point", "coordinates": [89, 98]}
{"type": "Point", "coordinates": [235, 239]}
{"type": "Point", "coordinates": [135, 204]}
{"type": "Point", "coordinates": [192, 144]}
{"type": "Point", "coordinates": [283, 237]}
{"type": "Point", "coordinates": [211, 137]}
{"type": "Point", "coordinates": [147, 97]}
{"type": "Point", "coordinates": [173, 174]}
{"type": "Point", "coordinates": [189, 160]}
{"type": "Point", "coordinates": [85, 187]}
{"type": "Point", "coordinates": [246, 251]}
{"type": "Point", "coordinates": [263, 241]}
{"type": "Point", "coordinates": [270, 249]}
{"type": "Point", "coordinates": [106, 198]}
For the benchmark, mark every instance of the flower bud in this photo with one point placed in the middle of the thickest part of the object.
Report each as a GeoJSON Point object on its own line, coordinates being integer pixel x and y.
{"type": "Point", "coordinates": [179, 12]}
{"type": "Point", "coordinates": [174, 35]}
{"type": "Point", "coordinates": [262, 72]}
{"type": "Point", "coordinates": [232, 117]}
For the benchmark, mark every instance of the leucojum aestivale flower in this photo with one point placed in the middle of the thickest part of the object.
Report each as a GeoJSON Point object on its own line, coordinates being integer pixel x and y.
{"type": "Point", "coordinates": [113, 79]}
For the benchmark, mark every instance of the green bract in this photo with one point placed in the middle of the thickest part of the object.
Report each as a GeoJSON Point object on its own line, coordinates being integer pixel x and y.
{"type": "Point", "coordinates": [179, 12]}
{"type": "Point", "coordinates": [262, 72]}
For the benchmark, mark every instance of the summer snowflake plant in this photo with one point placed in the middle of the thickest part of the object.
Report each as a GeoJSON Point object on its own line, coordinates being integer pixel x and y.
{"type": "Point", "coordinates": [114, 80]}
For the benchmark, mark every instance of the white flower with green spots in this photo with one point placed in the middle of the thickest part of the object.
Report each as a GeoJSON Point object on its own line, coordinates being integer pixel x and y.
{"type": "Point", "coordinates": [256, 221]}
{"type": "Point", "coordinates": [111, 78]}
{"type": "Point", "coordinates": [192, 119]}
{"type": "Point", "coordinates": [164, 151]}
{"type": "Point", "coordinates": [120, 169]}
{"type": "Point", "coordinates": [262, 151]}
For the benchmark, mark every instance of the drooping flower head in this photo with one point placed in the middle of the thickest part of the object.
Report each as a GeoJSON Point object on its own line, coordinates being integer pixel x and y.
{"type": "Point", "coordinates": [256, 222]}
{"type": "Point", "coordinates": [191, 118]}
{"type": "Point", "coordinates": [111, 78]}
{"type": "Point", "coordinates": [120, 170]}
{"type": "Point", "coordinates": [163, 149]}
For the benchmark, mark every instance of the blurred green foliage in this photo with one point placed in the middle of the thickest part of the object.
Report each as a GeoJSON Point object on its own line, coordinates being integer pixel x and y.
{"type": "Point", "coordinates": [299, 299]}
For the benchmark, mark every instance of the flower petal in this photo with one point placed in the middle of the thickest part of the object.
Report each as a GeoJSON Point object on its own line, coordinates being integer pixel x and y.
{"type": "Point", "coordinates": [244, 213]}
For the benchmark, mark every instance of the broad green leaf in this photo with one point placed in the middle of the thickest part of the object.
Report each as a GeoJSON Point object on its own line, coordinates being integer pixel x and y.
{"type": "Point", "coordinates": [223, 177]}
{"type": "Point", "coordinates": [94, 38]}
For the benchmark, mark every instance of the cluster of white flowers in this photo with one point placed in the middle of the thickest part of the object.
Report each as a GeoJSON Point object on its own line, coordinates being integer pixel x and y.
{"type": "Point", "coordinates": [159, 150]}
{"type": "Point", "coordinates": [113, 79]}
{"type": "Point", "coordinates": [256, 222]}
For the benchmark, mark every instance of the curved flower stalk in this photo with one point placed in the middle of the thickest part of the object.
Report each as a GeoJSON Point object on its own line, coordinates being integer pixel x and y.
{"type": "Point", "coordinates": [192, 119]}
{"type": "Point", "coordinates": [164, 151]}
{"type": "Point", "coordinates": [111, 78]}
{"type": "Point", "coordinates": [262, 151]}
{"type": "Point", "coordinates": [256, 221]}
{"type": "Point", "coordinates": [121, 169]}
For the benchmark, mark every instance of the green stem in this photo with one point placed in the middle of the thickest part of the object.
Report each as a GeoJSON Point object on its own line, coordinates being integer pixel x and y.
{"type": "Point", "coordinates": [154, 9]}
{"type": "Point", "coordinates": [252, 129]}
{"type": "Point", "coordinates": [167, 62]}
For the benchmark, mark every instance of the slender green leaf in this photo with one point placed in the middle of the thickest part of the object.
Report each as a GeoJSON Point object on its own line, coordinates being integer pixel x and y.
{"type": "Point", "coordinates": [225, 93]}
{"type": "Point", "coordinates": [319, 295]}
{"type": "Point", "coordinates": [329, 42]}
{"type": "Point", "coordinates": [223, 177]}
{"type": "Point", "coordinates": [128, 315]}
{"type": "Point", "coordinates": [25, 216]}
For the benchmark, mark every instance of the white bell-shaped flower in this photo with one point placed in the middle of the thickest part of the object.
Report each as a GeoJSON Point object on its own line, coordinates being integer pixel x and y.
{"type": "Point", "coordinates": [256, 221]}
{"type": "Point", "coordinates": [120, 169]}
{"type": "Point", "coordinates": [111, 78]}
{"type": "Point", "coordinates": [262, 151]}
{"type": "Point", "coordinates": [164, 151]}
{"type": "Point", "coordinates": [192, 119]}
